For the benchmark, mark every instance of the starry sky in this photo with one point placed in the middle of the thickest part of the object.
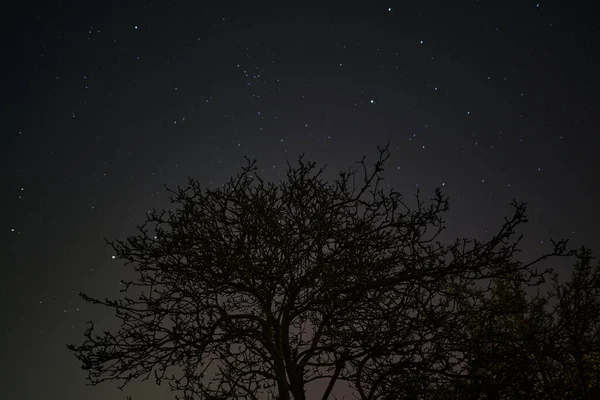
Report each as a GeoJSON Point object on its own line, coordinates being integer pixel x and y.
{"type": "Point", "coordinates": [103, 103]}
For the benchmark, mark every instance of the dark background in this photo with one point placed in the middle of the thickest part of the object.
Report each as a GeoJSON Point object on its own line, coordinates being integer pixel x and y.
{"type": "Point", "coordinates": [104, 102]}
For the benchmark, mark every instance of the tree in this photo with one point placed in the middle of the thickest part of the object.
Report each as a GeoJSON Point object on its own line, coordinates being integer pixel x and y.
{"type": "Point", "coordinates": [545, 347]}
{"type": "Point", "coordinates": [578, 326]}
{"type": "Point", "coordinates": [280, 285]}
{"type": "Point", "coordinates": [500, 346]}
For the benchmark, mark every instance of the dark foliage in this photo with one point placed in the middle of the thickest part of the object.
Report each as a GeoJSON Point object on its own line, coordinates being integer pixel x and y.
{"type": "Point", "coordinates": [547, 347]}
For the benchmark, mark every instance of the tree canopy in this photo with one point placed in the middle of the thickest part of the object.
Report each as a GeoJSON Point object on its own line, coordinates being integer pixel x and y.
{"type": "Point", "coordinates": [254, 290]}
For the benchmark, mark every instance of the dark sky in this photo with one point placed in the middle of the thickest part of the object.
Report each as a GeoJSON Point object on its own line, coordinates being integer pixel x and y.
{"type": "Point", "coordinates": [105, 102]}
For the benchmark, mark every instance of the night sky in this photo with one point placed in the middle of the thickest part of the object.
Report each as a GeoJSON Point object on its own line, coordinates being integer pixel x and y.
{"type": "Point", "coordinates": [105, 102]}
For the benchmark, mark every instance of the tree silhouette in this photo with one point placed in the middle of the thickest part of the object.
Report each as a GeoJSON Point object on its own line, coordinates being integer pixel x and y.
{"type": "Point", "coordinates": [545, 347]}
{"type": "Point", "coordinates": [578, 325]}
{"type": "Point", "coordinates": [254, 290]}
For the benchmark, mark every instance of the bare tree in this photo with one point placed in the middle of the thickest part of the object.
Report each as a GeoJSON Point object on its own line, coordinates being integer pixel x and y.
{"type": "Point", "coordinates": [280, 285]}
